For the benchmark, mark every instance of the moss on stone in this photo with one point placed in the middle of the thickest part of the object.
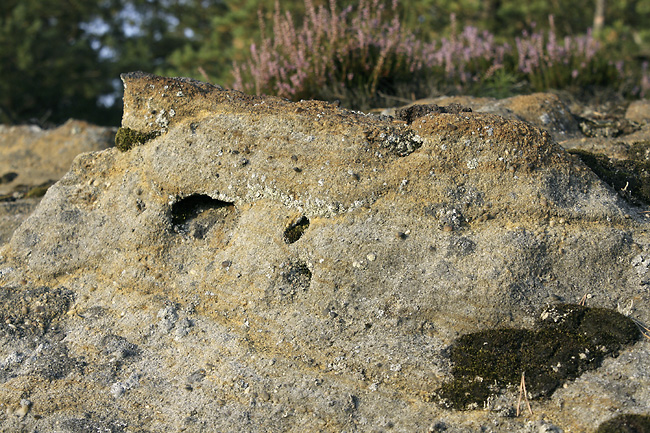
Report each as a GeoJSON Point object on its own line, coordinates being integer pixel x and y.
{"type": "Point", "coordinates": [126, 138]}
{"type": "Point", "coordinates": [39, 190]}
{"type": "Point", "coordinates": [630, 177]}
{"type": "Point", "coordinates": [570, 339]}
{"type": "Point", "coordinates": [626, 423]}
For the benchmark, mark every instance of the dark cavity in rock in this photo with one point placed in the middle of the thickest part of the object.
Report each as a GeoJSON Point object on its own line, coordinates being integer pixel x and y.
{"type": "Point", "coordinates": [197, 213]}
{"type": "Point", "coordinates": [296, 230]}
{"type": "Point", "coordinates": [8, 177]}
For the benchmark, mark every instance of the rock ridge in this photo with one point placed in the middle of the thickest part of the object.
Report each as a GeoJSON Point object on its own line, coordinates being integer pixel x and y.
{"type": "Point", "coordinates": [266, 265]}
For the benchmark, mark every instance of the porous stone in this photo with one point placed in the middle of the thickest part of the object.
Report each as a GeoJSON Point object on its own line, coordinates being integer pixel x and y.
{"type": "Point", "coordinates": [31, 156]}
{"type": "Point", "coordinates": [639, 111]}
{"type": "Point", "coordinates": [32, 159]}
{"type": "Point", "coordinates": [544, 110]}
{"type": "Point", "coordinates": [263, 265]}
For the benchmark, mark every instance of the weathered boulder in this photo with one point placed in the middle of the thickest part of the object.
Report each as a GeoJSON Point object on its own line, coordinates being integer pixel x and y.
{"type": "Point", "coordinates": [12, 213]}
{"type": "Point", "coordinates": [544, 110]}
{"type": "Point", "coordinates": [639, 111]}
{"type": "Point", "coordinates": [32, 159]}
{"type": "Point", "coordinates": [262, 265]}
{"type": "Point", "coordinates": [31, 156]}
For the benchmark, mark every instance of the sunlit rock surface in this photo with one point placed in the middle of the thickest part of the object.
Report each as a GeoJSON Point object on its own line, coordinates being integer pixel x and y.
{"type": "Point", "coordinates": [263, 265]}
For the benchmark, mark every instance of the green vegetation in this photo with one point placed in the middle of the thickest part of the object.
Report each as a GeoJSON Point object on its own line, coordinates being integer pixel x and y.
{"type": "Point", "coordinates": [39, 190]}
{"type": "Point", "coordinates": [570, 339]}
{"type": "Point", "coordinates": [63, 59]}
{"type": "Point", "coordinates": [126, 138]}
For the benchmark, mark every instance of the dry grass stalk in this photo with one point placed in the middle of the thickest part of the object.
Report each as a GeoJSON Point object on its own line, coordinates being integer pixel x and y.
{"type": "Point", "coordinates": [522, 391]}
{"type": "Point", "coordinates": [644, 329]}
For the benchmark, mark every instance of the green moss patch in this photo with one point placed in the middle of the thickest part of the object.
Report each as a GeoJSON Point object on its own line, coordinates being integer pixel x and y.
{"type": "Point", "coordinates": [627, 423]}
{"type": "Point", "coordinates": [39, 190]}
{"type": "Point", "coordinates": [630, 177]}
{"type": "Point", "coordinates": [570, 340]}
{"type": "Point", "coordinates": [127, 138]}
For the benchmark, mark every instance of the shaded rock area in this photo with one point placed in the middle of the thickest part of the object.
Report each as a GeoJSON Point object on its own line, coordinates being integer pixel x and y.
{"type": "Point", "coordinates": [627, 423]}
{"type": "Point", "coordinates": [261, 265]}
{"type": "Point", "coordinates": [32, 159]}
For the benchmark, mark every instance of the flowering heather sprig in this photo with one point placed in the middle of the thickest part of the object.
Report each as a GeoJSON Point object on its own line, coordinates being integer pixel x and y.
{"type": "Point", "coordinates": [357, 49]}
{"type": "Point", "coordinates": [465, 58]}
{"type": "Point", "coordinates": [365, 50]}
{"type": "Point", "coordinates": [330, 46]}
{"type": "Point", "coordinates": [546, 63]}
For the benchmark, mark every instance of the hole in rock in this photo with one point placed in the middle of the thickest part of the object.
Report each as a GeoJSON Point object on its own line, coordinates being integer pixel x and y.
{"type": "Point", "coordinates": [296, 229]}
{"type": "Point", "coordinates": [297, 276]}
{"type": "Point", "coordinates": [293, 280]}
{"type": "Point", "coordinates": [197, 213]}
{"type": "Point", "coordinates": [8, 177]}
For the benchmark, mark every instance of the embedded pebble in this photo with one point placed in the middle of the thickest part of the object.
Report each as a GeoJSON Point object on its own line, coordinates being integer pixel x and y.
{"type": "Point", "coordinates": [183, 327]}
{"type": "Point", "coordinates": [117, 389]}
{"type": "Point", "coordinates": [25, 406]}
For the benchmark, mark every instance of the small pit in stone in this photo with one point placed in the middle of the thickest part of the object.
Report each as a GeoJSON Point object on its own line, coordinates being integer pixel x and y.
{"type": "Point", "coordinates": [293, 281]}
{"type": "Point", "coordinates": [296, 229]}
{"type": "Point", "coordinates": [198, 213]}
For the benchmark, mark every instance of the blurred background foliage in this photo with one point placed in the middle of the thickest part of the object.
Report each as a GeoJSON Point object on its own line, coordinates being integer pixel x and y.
{"type": "Point", "coordinates": [62, 58]}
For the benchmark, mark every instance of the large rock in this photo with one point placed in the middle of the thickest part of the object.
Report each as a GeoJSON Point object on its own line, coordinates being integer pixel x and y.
{"type": "Point", "coordinates": [31, 156]}
{"type": "Point", "coordinates": [262, 265]}
{"type": "Point", "coordinates": [544, 110]}
{"type": "Point", "coordinates": [639, 111]}
{"type": "Point", "coordinates": [32, 159]}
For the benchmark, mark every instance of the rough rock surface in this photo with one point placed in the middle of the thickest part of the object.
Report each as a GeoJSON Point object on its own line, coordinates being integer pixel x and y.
{"type": "Point", "coordinates": [639, 111]}
{"type": "Point", "coordinates": [544, 110]}
{"type": "Point", "coordinates": [36, 156]}
{"type": "Point", "coordinates": [31, 159]}
{"type": "Point", "coordinates": [263, 265]}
